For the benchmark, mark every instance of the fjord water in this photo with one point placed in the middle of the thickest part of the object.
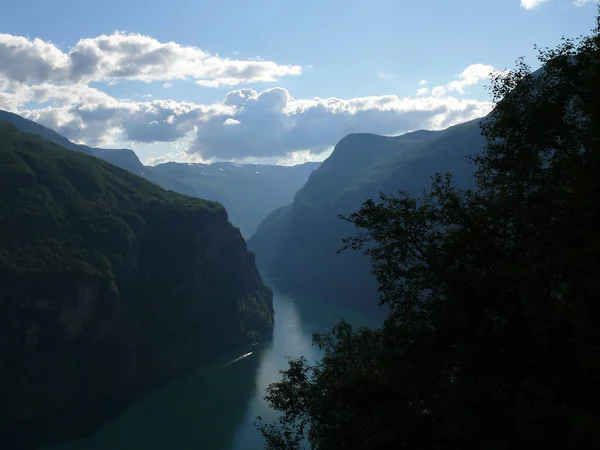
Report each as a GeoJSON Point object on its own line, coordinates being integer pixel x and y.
{"type": "Point", "coordinates": [213, 408]}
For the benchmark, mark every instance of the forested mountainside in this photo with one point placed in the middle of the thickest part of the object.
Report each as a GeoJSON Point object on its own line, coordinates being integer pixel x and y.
{"type": "Point", "coordinates": [297, 245]}
{"type": "Point", "coordinates": [109, 285]}
{"type": "Point", "coordinates": [249, 192]}
{"type": "Point", "coordinates": [123, 158]}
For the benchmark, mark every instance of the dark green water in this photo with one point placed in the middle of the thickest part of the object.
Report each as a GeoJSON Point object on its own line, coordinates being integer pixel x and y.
{"type": "Point", "coordinates": [213, 409]}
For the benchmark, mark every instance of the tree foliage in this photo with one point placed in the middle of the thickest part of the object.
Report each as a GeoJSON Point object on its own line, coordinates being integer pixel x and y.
{"type": "Point", "coordinates": [492, 340]}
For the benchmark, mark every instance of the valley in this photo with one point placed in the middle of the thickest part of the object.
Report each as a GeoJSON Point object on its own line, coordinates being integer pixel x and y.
{"type": "Point", "coordinates": [194, 257]}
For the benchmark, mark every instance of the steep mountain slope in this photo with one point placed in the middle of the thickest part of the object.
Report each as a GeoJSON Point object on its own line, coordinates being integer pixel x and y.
{"type": "Point", "coordinates": [123, 158]}
{"type": "Point", "coordinates": [297, 245]}
{"type": "Point", "coordinates": [29, 126]}
{"type": "Point", "coordinates": [109, 285]}
{"type": "Point", "coordinates": [249, 192]}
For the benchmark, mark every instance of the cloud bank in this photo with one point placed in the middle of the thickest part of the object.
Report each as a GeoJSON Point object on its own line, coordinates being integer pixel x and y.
{"type": "Point", "coordinates": [246, 123]}
{"type": "Point", "coordinates": [122, 56]}
{"type": "Point", "coordinates": [273, 123]}
{"type": "Point", "coordinates": [43, 83]}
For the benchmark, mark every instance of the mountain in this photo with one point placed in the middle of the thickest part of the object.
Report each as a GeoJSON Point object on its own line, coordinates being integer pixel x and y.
{"type": "Point", "coordinates": [109, 286]}
{"type": "Point", "coordinates": [123, 158]}
{"type": "Point", "coordinates": [296, 246]}
{"type": "Point", "coordinates": [126, 159]}
{"type": "Point", "coordinates": [249, 192]}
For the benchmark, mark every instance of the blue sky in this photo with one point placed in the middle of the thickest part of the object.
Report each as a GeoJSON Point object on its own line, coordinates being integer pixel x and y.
{"type": "Point", "coordinates": [301, 74]}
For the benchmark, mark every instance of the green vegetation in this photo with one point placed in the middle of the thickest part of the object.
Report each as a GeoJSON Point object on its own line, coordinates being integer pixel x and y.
{"type": "Point", "coordinates": [123, 158]}
{"type": "Point", "coordinates": [491, 341]}
{"type": "Point", "coordinates": [109, 286]}
{"type": "Point", "coordinates": [29, 126]}
{"type": "Point", "coordinates": [249, 191]}
{"type": "Point", "coordinates": [67, 213]}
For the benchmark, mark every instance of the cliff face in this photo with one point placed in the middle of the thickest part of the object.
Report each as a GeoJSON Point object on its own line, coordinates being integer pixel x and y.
{"type": "Point", "coordinates": [296, 246]}
{"type": "Point", "coordinates": [108, 287]}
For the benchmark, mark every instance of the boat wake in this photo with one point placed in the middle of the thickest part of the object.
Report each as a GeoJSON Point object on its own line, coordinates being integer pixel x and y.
{"type": "Point", "coordinates": [237, 359]}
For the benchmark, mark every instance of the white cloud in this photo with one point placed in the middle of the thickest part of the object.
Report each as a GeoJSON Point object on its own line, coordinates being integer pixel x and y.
{"type": "Point", "coordinates": [582, 2]}
{"type": "Point", "coordinates": [423, 82]}
{"type": "Point", "coordinates": [122, 56]}
{"type": "Point", "coordinates": [303, 156]}
{"type": "Point", "coordinates": [167, 85]}
{"type": "Point", "coordinates": [470, 76]}
{"type": "Point", "coordinates": [385, 76]}
{"type": "Point", "coordinates": [438, 91]}
{"type": "Point", "coordinates": [247, 125]}
{"type": "Point", "coordinates": [181, 157]}
{"type": "Point", "coordinates": [292, 159]}
{"type": "Point", "coordinates": [530, 4]}
{"type": "Point", "coordinates": [274, 124]}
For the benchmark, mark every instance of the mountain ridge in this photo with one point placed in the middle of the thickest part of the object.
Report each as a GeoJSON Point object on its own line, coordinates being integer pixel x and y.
{"type": "Point", "coordinates": [276, 186]}
{"type": "Point", "coordinates": [296, 246]}
{"type": "Point", "coordinates": [249, 192]}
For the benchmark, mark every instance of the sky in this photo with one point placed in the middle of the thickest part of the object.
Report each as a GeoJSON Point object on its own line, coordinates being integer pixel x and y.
{"type": "Point", "coordinates": [270, 81]}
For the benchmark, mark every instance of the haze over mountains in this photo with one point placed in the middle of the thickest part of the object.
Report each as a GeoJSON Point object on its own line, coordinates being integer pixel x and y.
{"type": "Point", "coordinates": [119, 275]}
{"type": "Point", "coordinates": [297, 208]}
{"type": "Point", "coordinates": [249, 192]}
{"type": "Point", "coordinates": [178, 179]}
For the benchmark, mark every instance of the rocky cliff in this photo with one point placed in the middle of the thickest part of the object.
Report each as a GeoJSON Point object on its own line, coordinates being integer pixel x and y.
{"type": "Point", "coordinates": [109, 286]}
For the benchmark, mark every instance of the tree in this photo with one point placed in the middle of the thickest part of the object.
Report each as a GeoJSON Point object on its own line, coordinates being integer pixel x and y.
{"type": "Point", "coordinates": [492, 340]}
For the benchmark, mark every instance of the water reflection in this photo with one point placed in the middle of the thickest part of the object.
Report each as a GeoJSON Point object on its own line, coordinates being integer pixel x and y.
{"type": "Point", "coordinates": [201, 411]}
{"type": "Point", "coordinates": [214, 408]}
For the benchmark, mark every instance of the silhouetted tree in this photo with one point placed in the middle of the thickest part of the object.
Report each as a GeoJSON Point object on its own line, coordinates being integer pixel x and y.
{"type": "Point", "coordinates": [492, 341]}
